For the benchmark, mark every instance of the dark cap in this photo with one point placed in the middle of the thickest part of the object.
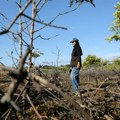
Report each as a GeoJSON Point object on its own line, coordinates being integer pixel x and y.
{"type": "Point", "coordinates": [74, 40]}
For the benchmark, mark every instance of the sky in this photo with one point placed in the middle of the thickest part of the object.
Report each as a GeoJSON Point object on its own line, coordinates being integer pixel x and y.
{"type": "Point", "coordinates": [90, 25]}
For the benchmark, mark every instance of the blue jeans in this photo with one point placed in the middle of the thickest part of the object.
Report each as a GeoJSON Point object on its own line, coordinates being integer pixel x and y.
{"type": "Point", "coordinates": [74, 77]}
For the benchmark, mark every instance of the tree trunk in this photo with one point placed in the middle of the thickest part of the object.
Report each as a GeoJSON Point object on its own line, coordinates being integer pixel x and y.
{"type": "Point", "coordinates": [31, 35]}
{"type": "Point", "coordinates": [20, 33]}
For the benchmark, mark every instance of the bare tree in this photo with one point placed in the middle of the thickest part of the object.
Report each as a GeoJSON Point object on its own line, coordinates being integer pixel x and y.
{"type": "Point", "coordinates": [58, 54]}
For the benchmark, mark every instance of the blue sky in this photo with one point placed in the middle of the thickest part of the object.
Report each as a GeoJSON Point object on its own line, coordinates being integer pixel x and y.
{"type": "Point", "coordinates": [88, 24]}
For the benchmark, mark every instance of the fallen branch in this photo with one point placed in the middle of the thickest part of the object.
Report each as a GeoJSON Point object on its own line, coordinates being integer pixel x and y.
{"type": "Point", "coordinates": [36, 112]}
{"type": "Point", "coordinates": [45, 83]}
{"type": "Point", "coordinates": [19, 75]}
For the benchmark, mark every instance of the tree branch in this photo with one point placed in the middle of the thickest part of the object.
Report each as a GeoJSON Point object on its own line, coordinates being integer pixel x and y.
{"type": "Point", "coordinates": [46, 24]}
{"type": "Point", "coordinates": [18, 74]}
{"type": "Point", "coordinates": [44, 82]}
{"type": "Point", "coordinates": [16, 17]}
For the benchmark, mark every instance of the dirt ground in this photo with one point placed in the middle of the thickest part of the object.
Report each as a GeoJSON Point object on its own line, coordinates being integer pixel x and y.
{"type": "Point", "coordinates": [99, 96]}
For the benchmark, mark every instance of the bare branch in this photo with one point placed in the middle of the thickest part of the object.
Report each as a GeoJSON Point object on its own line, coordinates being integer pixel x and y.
{"type": "Point", "coordinates": [13, 59]}
{"type": "Point", "coordinates": [44, 2]}
{"type": "Point", "coordinates": [23, 59]}
{"type": "Point", "coordinates": [60, 14]}
{"type": "Point", "coordinates": [38, 3]}
{"type": "Point", "coordinates": [20, 33]}
{"type": "Point", "coordinates": [45, 38]}
{"type": "Point", "coordinates": [37, 113]}
{"type": "Point", "coordinates": [46, 24]}
{"type": "Point", "coordinates": [17, 99]}
{"type": "Point", "coordinates": [32, 34]}
{"type": "Point", "coordinates": [16, 17]}
{"type": "Point", "coordinates": [18, 74]}
{"type": "Point", "coordinates": [67, 12]}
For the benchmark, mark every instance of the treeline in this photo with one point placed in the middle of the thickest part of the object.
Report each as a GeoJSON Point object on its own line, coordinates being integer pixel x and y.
{"type": "Point", "coordinates": [92, 61]}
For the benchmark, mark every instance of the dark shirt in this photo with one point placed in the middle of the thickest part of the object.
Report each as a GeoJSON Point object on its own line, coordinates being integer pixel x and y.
{"type": "Point", "coordinates": [76, 56]}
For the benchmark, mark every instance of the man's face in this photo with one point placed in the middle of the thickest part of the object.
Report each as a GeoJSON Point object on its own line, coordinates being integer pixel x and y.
{"type": "Point", "coordinates": [73, 43]}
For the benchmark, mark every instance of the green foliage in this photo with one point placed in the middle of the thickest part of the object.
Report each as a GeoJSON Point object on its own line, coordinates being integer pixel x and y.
{"type": "Point", "coordinates": [36, 54]}
{"type": "Point", "coordinates": [65, 67]}
{"type": "Point", "coordinates": [116, 24]}
{"type": "Point", "coordinates": [91, 60]}
{"type": "Point", "coordinates": [116, 37]}
{"type": "Point", "coordinates": [71, 2]}
{"type": "Point", "coordinates": [116, 62]}
{"type": "Point", "coordinates": [80, 2]}
{"type": "Point", "coordinates": [113, 65]}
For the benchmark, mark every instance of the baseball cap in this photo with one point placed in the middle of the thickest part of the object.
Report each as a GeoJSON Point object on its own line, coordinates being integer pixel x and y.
{"type": "Point", "coordinates": [74, 40]}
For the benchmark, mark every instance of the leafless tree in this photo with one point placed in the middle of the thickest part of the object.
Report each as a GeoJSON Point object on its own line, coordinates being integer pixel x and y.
{"type": "Point", "coordinates": [58, 54]}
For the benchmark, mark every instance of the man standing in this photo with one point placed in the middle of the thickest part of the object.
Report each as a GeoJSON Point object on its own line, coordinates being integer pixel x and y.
{"type": "Point", "coordinates": [75, 64]}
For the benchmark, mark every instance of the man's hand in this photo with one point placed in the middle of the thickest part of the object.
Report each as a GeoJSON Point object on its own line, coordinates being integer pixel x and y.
{"type": "Point", "coordinates": [78, 65]}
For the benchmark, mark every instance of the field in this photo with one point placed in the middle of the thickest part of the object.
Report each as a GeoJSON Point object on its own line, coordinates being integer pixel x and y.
{"type": "Point", "coordinates": [49, 96]}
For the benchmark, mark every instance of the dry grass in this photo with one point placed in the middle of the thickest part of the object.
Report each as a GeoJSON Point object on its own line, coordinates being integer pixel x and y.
{"type": "Point", "coordinates": [100, 96]}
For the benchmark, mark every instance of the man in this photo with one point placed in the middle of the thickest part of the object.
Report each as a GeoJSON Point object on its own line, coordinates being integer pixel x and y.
{"type": "Point", "coordinates": [75, 64]}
